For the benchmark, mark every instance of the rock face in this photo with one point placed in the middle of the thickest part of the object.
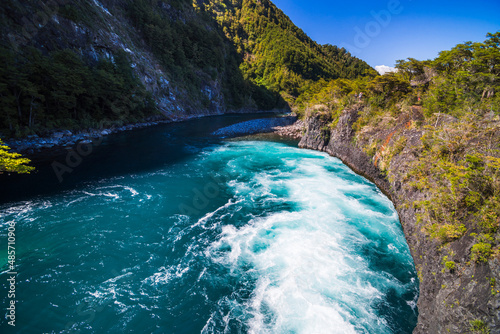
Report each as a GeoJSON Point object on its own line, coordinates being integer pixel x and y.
{"type": "Point", "coordinates": [457, 301]}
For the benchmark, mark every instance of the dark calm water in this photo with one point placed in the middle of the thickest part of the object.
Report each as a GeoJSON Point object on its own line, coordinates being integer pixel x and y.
{"type": "Point", "coordinates": [171, 230]}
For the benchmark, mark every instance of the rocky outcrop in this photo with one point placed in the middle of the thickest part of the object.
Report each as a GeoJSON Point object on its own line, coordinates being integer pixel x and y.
{"type": "Point", "coordinates": [338, 143]}
{"type": "Point", "coordinates": [457, 301]}
{"type": "Point", "coordinates": [294, 131]}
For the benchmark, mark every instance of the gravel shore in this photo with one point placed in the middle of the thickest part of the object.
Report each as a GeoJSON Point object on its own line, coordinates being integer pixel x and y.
{"type": "Point", "coordinates": [255, 126]}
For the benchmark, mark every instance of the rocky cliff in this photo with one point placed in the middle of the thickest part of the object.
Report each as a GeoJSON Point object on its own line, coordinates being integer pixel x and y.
{"type": "Point", "coordinates": [462, 298]}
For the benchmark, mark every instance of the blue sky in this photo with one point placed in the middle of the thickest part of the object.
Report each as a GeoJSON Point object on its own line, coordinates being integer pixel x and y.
{"type": "Point", "coordinates": [413, 28]}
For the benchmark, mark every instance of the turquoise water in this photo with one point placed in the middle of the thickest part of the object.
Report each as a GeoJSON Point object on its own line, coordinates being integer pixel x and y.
{"type": "Point", "coordinates": [239, 237]}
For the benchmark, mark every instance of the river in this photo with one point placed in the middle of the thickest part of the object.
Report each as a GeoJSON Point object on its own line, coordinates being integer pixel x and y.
{"type": "Point", "coordinates": [170, 229]}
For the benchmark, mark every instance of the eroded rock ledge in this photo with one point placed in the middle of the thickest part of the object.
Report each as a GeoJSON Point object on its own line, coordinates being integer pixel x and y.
{"type": "Point", "coordinates": [449, 300]}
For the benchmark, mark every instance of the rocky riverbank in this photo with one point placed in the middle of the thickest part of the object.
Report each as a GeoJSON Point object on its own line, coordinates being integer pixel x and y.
{"type": "Point", "coordinates": [34, 144]}
{"type": "Point", "coordinates": [462, 300]}
{"type": "Point", "coordinates": [295, 130]}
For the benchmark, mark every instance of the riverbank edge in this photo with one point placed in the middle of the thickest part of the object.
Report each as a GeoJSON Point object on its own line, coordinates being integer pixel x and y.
{"type": "Point", "coordinates": [469, 290]}
{"type": "Point", "coordinates": [33, 145]}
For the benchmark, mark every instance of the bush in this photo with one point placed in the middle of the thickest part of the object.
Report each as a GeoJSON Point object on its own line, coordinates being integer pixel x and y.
{"type": "Point", "coordinates": [12, 162]}
{"type": "Point", "coordinates": [450, 265]}
{"type": "Point", "coordinates": [447, 232]}
{"type": "Point", "coordinates": [479, 327]}
{"type": "Point", "coordinates": [481, 252]}
{"type": "Point", "coordinates": [488, 215]}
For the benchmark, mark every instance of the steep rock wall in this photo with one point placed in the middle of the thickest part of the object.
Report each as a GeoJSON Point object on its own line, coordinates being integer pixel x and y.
{"type": "Point", "coordinates": [449, 301]}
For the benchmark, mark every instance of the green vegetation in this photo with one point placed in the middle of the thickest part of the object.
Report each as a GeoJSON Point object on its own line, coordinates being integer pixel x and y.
{"type": "Point", "coordinates": [493, 283]}
{"type": "Point", "coordinates": [479, 327]}
{"type": "Point", "coordinates": [453, 102]}
{"type": "Point", "coordinates": [13, 162]}
{"type": "Point", "coordinates": [61, 90]}
{"type": "Point", "coordinates": [450, 265]}
{"type": "Point", "coordinates": [447, 262]}
{"type": "Point", "coordinates": [194, 50]}
{"type": "Point", "coordinates": [481, 252]}
{"type": "Point", "coordinates": [459, 162]}
{"type": "Point", "coordinates": [276, 54]}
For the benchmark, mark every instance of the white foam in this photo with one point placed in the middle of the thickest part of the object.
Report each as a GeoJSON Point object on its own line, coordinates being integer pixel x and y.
{"type": "Point", "coordinates": [202, 221]}
{"type": "Point", "coordinates": [308, 274]}
{"type": "Point", "coordinates": [106, 194]}
{"type": "Point", "coordinates": [161, 277]}
{"type": "Point", "coordinates": [119, 277]}
{"type": "Point", "coordinates": [133, 192]}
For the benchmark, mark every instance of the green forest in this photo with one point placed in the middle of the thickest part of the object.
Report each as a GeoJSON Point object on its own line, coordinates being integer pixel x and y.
{"type": "Point", "coordinates": [59, 90]}
{"type": "Point", "coordinates": [277, 54]}
{"type": "Point", "coordinates": [458, 82]}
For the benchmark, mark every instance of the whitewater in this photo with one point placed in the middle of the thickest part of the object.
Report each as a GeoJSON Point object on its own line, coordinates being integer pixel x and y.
{"type": "Point", "coordinates": [243, 236]}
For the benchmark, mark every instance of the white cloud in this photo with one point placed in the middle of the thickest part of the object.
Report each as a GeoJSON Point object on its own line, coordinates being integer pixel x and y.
{"type": "Point", "coordinates": [382, 69]}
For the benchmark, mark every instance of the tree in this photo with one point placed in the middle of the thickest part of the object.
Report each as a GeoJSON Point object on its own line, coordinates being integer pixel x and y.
{"type": "Point", "coordinates": [388, 84]}
{"type": "Point", "coordinates": [410, 68]}
{"type": "Point", "coordinates": [12, 162]}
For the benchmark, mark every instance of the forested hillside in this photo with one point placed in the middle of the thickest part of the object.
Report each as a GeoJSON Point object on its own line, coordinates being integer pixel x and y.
{"type": "Point", "coordinates": [431, 132]}
{"type": "Point", "coordinates": [82, 64]}
{"type": "Point", "coordinates": [277, 54]}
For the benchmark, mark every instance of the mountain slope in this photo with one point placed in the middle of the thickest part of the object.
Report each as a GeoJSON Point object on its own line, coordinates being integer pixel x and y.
{"type": "Point", "coordinates": [83, 64]}
{"type": "Point", "coordinates": [278, 54]}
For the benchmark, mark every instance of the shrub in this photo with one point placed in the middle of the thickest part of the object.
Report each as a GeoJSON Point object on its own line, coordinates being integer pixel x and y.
{"type": "Point", "coordinates": [447, 232]}
{"type": "Point", "coordinates": [450, 265]}
{"type": "Point", "coordinates": [488, 215]}
{"type": "Point", "coordinates": [479, 327]}
{"type": "Point", "coordinates": [481, 252]}
{"type": "Point", "coordinates": [12, 162]}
